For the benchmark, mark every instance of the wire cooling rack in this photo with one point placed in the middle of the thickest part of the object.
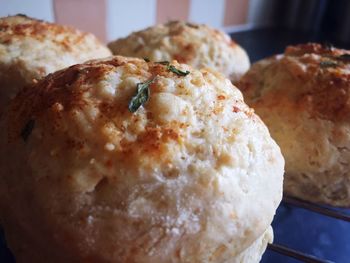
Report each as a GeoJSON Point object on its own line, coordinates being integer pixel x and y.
{"type": "Point", "coordinates": [329, 212]}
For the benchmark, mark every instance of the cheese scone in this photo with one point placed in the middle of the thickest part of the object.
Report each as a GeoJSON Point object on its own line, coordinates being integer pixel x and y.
{"type": "Point", "coordinates": [122, 160]}
{"type": "Point", "coordinates": [30, 49]}
{"type": "Point", "coordinates": [197, 45]}
{"type": "Point", "coordinates": [303, 96]}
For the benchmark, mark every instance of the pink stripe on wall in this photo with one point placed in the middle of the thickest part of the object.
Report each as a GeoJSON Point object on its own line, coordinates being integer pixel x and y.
{"type": "Point", "coordinates": [172, 10]}
{"type": "Point", "coordinates": [86, 15]}
{"type": "Point", "coordinates": [236, 12]}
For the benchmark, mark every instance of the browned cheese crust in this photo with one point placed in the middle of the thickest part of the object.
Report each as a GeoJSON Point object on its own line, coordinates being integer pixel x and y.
{"type": "Point", "coordinates": [30, 49]}
{"type": "Point", "coordinates": [192, 176]}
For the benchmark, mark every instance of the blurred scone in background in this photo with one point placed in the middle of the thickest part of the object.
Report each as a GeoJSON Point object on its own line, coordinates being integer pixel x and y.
{"type": "Point", "coordinates": [195, 44]}
{"type": "Point", "coordinates": [189, 175]}
{"type": "Point", "coordinates": [303, 97]}
{"type": "Point", "coordinates": [30, 49]}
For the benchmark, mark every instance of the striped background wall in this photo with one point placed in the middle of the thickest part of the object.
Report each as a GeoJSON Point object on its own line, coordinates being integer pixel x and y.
{"type": "Point", "coordinates": [110, 19]}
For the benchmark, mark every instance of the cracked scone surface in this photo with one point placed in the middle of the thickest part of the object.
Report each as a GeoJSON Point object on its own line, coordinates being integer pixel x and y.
{"type": "Point", "coordinates": [197, 45]}
{"type": "Point", "coordinates": [191, 176]}
{"type": "Point", "coordinates": [31, 49]}
{"type": "Point", "coordinates": [303, 98]}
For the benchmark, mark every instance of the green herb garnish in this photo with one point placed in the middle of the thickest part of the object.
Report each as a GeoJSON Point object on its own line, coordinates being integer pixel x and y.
{"type": "Point", "coordinates": [192, 25]}
{"type": "Point", "coordinates": [178, 71]}
{"type": "Point", "coordinates": [27, 130]}
{"type": "Point", "coordinates": [165, 63]}
{"type": "Point", "coordinates": [146, 59]}
{"type": "Point", "coordinates": [344, 57]}
{"type": "Point", "coordinates": [143, 92]}
{"type": "Point", "coordinates": [173, 69]}
{"type": "Point", "coordinates": [328, 64]}
{"type": "Point", "coordinates": [141, 96]}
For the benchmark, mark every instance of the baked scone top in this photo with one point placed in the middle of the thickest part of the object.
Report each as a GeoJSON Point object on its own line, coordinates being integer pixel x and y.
{"type": "Point", "coordinates": [194, 44]}
{"type": "Point", "coordinates": [308, 77]}
{"type": "Point", "coordinates": [44, 46]}
{"type": "Point", "coordinates": [191, 176]}
{"type": "Point", "coordinates": [30, 49]}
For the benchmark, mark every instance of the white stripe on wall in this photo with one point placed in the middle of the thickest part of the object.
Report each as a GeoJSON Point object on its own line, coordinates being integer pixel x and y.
{"type": "Point", "coordinates": [40, 9]}
{"type": "Point", "coordinates": [210, 12]}
{"type": "Point", "coordinates": [124, 17]}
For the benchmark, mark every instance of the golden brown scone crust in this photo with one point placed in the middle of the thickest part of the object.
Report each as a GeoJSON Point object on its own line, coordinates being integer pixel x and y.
{"type": "Point", "coordinates": [197, 45]}
{"type": "Point", "coordinates": [191, 176]}
{"type": "Point", "coordinates": [31, 49]}
{"type": "Point", "coordinates": [303, 96]}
